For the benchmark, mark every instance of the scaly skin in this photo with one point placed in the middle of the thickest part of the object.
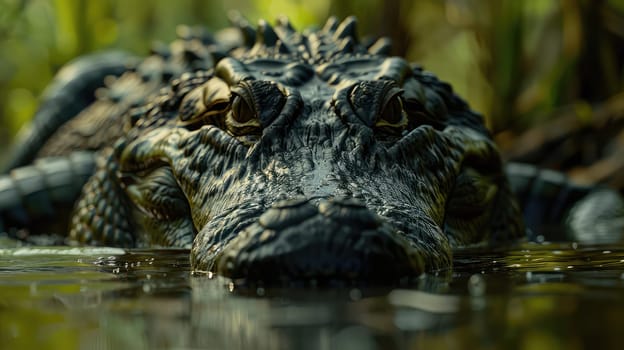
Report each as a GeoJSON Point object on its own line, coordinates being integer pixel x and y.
{"type": "Point", "coordinates": [303, 157]}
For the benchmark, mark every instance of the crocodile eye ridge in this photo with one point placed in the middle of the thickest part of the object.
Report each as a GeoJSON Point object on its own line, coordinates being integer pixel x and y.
{"type": "Point", "coordinates": [205, 104]}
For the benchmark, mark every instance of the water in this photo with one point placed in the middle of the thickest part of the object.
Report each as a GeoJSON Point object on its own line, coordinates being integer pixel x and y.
{"type": "Point", "coordinates": [533, 296]}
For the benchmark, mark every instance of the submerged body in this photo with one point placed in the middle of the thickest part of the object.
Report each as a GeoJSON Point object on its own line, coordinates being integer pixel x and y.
{"type": "Point", "coordinates": [295, 156]}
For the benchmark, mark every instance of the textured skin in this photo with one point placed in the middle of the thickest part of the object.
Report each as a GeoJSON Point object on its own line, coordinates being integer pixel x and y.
{"type": "Point", "coordinates": [303, 156]}
{"type": "Point", "coordinates": [295, 156]}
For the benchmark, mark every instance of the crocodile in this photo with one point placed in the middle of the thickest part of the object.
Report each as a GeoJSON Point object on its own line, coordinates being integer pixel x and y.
{"type": "Point", "coordinates": [281, 156]}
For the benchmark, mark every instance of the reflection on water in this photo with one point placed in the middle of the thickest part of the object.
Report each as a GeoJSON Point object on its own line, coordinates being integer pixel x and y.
{"type": "Point", "coordinates": [531, 297]}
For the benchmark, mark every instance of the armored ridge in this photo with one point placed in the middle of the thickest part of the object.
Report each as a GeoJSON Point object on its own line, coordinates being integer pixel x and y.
{"type": "Point", "coordinates": [289, 156]}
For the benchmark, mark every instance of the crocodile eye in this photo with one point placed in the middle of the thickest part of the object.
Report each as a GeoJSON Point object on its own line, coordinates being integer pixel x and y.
{"type": "Point", "coordinates": [392, 119]}
{"type": "Point", "coordinates": [378, 104]}
{"type": "Point", "coordinates": [254, 105]}
{"type": "Point", "coordinates": [242, 112]}
{"type": "Point", "coordinates": [392, 113]}
{"type": "Point", "coordinates": [242, 120]}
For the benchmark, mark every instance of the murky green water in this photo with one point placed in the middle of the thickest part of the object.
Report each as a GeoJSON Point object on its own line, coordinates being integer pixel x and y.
{"type": "Point", "coordinates": [532, 297]}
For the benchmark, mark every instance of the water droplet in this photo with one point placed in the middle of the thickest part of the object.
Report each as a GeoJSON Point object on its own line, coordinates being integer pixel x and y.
{"type": "Point", "coordinates": [574, 245]}
{"type": "Point", "coordinates": [147, 288]}
{"type": "Point", "coordinates": [476, 285]}
{"type": "Point", "coordinates": [355, 294]}
{"type": "Point", "coordinates": [260, 291]}
{"type": "Point", "coordinates": [231, 286]}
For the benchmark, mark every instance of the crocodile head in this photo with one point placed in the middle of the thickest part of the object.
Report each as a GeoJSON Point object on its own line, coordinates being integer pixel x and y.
{"type": "Point", "coordinates": [307, 157]}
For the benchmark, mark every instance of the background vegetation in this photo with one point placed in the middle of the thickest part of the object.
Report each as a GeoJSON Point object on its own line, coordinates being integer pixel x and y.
{"type": "Point", "coordinates": [519, 63]}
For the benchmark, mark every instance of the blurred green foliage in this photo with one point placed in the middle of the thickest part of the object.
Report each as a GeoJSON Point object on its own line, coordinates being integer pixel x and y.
{"type": "Point", "coordinates": [517, 62]}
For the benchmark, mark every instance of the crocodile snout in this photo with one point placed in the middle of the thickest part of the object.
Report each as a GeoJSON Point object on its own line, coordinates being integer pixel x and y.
{"type": "Point", "coordinates": [321, 240]}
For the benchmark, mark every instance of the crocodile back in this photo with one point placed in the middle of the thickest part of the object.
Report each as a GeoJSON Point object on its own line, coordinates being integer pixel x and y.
{"type": "Point", "coordinates": [71, 91]}
{"type": "Point", "coordinates": [557, 209]}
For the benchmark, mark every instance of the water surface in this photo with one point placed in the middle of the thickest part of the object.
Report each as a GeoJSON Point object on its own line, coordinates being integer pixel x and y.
{"type": "Point", "coordinates": [547, 296]}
